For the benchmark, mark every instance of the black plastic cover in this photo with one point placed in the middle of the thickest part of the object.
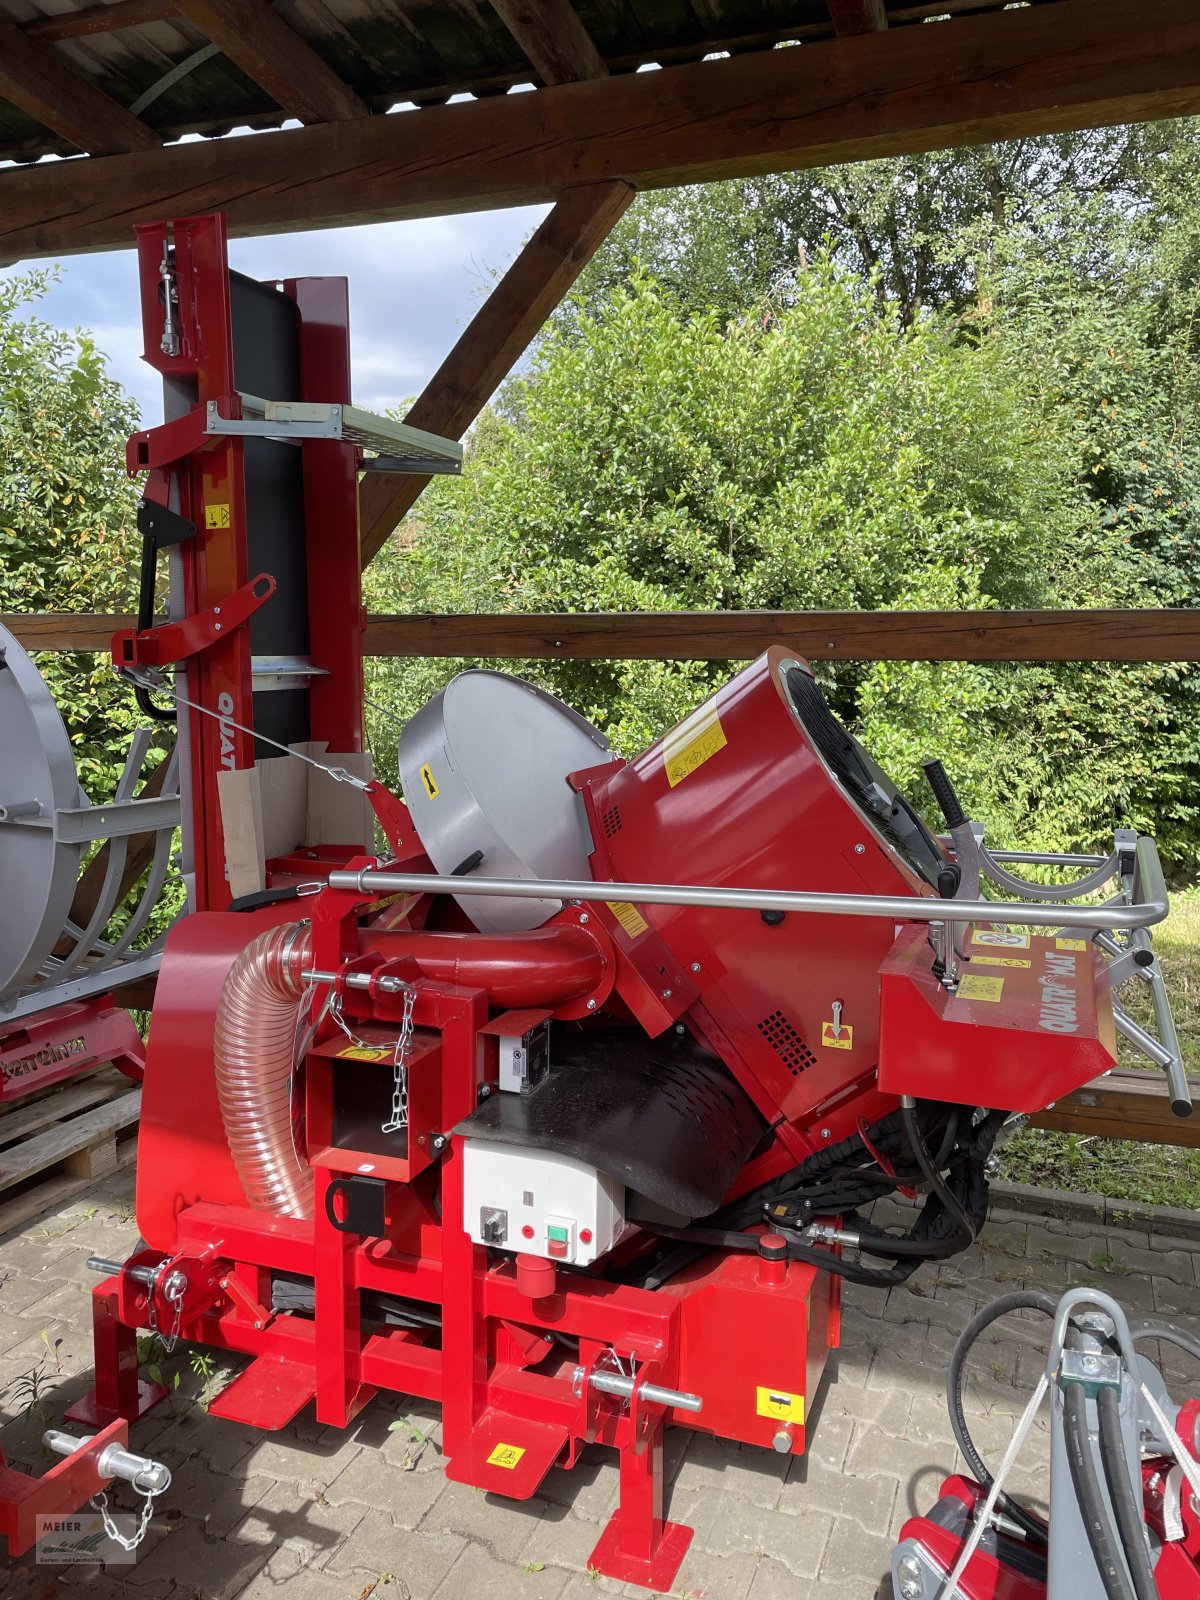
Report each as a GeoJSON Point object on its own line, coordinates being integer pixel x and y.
{"type": "Point", "coordinates": [663, 1116]}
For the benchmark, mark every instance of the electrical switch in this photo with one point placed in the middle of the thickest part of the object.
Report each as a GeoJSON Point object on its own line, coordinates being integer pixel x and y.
{"type": "Point", "coordinates": [559, 1240]}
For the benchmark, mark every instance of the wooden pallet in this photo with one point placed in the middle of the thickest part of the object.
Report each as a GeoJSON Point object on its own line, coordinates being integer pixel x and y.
{"type": "Point", "coordinates": [55, 1144]}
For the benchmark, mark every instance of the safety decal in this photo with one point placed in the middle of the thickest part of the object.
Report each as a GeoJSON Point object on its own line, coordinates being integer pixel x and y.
{"type": "Point", "coordinates": [429, 782]}
{"type": "Point", "coordinates": [974, 987]}
{"type": "Point", "coordinates": [843, 1039]}
{"type": "Point", "coordinates": [218, 516]}
{"type": "Point", "coordinates": [994, 936]}
{"type": "Point", "coordinates": [1070, 944]}
{"type": "Point", "coordinates": [362, 1052]}
{"type": "Point", "coordinates": [505, 1455]}
{"type": "Point", "coordinates": [780, 1405]}
{"type": "Point", "coordinates": [630, 918]}
{"type": "Point", "coordinates": [1000, 961]}
{"type": "Point", "coordinates": [691, 744]}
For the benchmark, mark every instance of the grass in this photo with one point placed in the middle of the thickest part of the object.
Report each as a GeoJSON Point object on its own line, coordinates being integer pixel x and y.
{"type": "Point", "coordinates": [1119, 1168]}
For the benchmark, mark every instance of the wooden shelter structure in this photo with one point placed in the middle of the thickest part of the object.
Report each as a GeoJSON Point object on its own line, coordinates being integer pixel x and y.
{"type": "Point", "coordinates": [368, 110]}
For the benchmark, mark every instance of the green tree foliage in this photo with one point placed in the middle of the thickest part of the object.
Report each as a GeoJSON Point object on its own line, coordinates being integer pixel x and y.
{"type": "Point", "coordinates": [67, 537]}
{"type": "Point", "coordinates": [975, 389]}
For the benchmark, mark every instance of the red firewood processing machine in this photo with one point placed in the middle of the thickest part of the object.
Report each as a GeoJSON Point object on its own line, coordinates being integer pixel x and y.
{"type": "Point", "coordinates": [559, 1109]}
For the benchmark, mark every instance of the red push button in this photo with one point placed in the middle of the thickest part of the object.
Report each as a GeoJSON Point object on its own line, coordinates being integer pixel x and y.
{"type": "Point", "coordinates": [557, 1248]}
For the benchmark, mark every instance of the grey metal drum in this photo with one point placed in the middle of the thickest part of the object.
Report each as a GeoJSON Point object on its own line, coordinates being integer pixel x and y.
{"type": "Point", "coordinates": [484, 769]}
{"type": "Point", "coordinates": [37, 777]}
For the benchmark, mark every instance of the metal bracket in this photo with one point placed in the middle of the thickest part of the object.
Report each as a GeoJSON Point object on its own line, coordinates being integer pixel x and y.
{"type": "Point", "coordinates": [178, 641]}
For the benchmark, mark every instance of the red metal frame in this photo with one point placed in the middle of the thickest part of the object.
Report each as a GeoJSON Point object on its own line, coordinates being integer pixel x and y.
{"type": "Point", "coordinates": [69, 1484]}
{"type": "Point", "coordinates": [990, 1576]}
{"type": "Point", "coordinates": [202, 476]}
{"type": "Point", "coordinates": [66, 1040]}
{"type": "Point", "coordinates": [737, 796]}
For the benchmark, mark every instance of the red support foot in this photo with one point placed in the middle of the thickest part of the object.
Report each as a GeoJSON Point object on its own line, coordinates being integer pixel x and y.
{"type": "Point", "coordinates": [637, 1546]}
{"type": "Point", "coordinates": [119, 1392]}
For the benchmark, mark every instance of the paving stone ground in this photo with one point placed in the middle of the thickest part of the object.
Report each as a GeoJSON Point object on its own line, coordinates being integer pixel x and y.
{"type": "Point", "coordinates": [314, 1513]}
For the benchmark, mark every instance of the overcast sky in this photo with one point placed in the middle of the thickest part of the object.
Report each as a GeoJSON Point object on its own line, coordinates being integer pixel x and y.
{"type": "Point", "coordinates": [413, 285]}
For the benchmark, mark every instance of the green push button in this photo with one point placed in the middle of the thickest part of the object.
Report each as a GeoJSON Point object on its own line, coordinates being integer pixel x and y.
{"type": "Point", "coordinates": [558, 1235]}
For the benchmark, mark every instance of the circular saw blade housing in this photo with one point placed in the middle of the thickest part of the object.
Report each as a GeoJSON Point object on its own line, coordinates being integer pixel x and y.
{"type": "Point", "coordinates": [484, 769]}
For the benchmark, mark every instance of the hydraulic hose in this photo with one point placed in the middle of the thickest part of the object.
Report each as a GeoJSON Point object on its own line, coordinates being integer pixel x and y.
{"type": "Point", "coordinates": [1128, 1512]}
{"type": "Point", "coordinates": [916, 1141]}
{"type": "Point", "coordinates": [254, 1047]}
{"type": "Point", "coordinates": [1018, 1300]}
{"type": "Point", "coordinates": [1086, 1482]}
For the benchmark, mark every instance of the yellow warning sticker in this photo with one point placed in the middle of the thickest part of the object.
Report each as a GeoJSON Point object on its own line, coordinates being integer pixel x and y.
{"type": "Point", "coordinates": [429, 782]}
{"type": "Point", "coordinates": [780, 1405]}
{"type": "Point", "coordinates": [843, 1039]}
{"type": "Point", "coordinates": [691, 744]}
{"type": "Point", "coordinates": [217, 516]}
{"type": "Point", "coordinates": [362, 1052]}
{"type": "Point", "coordinates": [1000, 961]}
{"type": "Point", "coordinates": [505, 1455]}
{"type": "Point", "coordinates": [995, 936]}
{"type": "Point", "coordinates": [630, 918]}
{"type": "Point", "coordinates": [1070, 944]}
{"type": "Point", "coordinates": [973, 987]}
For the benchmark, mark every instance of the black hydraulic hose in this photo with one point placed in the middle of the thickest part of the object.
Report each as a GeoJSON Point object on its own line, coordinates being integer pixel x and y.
{"type": "Point", "coordinates": [1128, 1512]}
{"type": "Point", "coordinates": [912, 1129]}
{"type": "Point", "coordinates": [1085, 1480]}
{"type": "Point", "coordinates": [1018, 1300]}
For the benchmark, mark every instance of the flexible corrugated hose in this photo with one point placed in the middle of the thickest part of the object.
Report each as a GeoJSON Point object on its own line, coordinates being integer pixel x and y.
{"type": "Point", "coordinates": [254, 1046]}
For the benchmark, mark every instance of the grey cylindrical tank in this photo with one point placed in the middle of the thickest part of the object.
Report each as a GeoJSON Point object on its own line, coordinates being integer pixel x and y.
{"type": "Point", "coordinates": [484, 769]}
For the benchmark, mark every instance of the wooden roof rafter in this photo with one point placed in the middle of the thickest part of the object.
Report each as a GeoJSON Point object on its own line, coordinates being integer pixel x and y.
{"type": "Point", "coordinates": [35, 78]}
{"type": "Point", "coordinates": [556, 42]}
{"type": "Point", "coordinates": [1053, 67]}
{"type": "Point", "coordinates": [258, 40]}
{"type": "Point", "coordinates": [857, 16]}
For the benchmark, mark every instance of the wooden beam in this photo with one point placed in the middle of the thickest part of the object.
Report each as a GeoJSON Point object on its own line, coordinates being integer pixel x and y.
{"type": "Point", "coordinates": [730, 635]}
{"type": "Point", "coordinates": [552, 36]}
{"type": "Point", "coordinates": [66, 630]}
{"type": "Point", "coordinates": [257, 39]}
{"type": "Point", "coordinates": [1127, 1104]}
{"type": "Point", "coordinates": [100, 19]}
{"type": "Point", "coordinates": [857, 16]}
{"type": "Point", "coordinates": [39, 82]}
{"type": "Point", "coordinates": [494, 340]}
{"type": "Point", "coordinates": [819, 635]}
{"type": "Point", "coordinates": [1036, 69]}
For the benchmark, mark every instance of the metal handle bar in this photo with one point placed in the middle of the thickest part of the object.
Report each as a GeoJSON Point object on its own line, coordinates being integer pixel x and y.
{"type": "Point", "coordinates": [900, 908]}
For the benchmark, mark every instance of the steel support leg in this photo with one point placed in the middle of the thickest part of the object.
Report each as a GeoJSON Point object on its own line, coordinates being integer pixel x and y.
{"type": "Point", "coordinates": [637, 1546]}
{"type": "Point", "coordinates": [119, 1392]}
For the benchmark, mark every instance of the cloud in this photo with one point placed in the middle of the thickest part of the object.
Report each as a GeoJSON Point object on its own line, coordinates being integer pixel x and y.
{"type": "Point", "coordinates": [413, 286]}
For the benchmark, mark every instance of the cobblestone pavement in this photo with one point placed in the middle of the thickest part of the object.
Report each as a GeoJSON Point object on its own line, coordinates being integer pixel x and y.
{"type": "Point", "coordinates": [313, 1513]}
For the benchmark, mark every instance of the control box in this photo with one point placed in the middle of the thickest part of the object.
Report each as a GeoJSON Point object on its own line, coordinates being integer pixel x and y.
{"type": "Point", "coordinates": [536, 1203]}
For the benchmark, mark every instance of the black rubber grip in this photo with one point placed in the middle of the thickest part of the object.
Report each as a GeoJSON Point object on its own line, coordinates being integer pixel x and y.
{"type": "Point", "coordinates": [943, 793]}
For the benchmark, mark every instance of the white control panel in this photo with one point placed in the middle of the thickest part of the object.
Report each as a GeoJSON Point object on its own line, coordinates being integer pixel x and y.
{"type": "Point", "coordinates": [535, 1203]}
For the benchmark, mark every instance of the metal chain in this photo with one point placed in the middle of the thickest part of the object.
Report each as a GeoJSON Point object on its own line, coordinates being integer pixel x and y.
{"type": "Point", "coordinates": [335, 1011]}
{"type": "Point", "coordinates": [100, 1502]}
{"type": "Point", "coordinates": [173, 1292]}
{"type": "Point", "coordinates": [399, 1116]}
